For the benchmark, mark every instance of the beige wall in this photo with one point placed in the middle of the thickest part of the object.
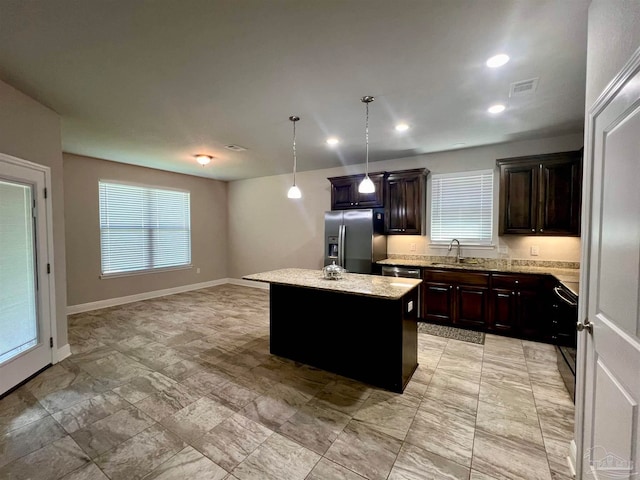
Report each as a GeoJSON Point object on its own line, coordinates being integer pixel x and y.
{"type": "Point", "coordinates": [208, 230]}
{"type": "Point", "coordinates": [268, 231]}
{"type": "Point", "coordinates": [30, 131]}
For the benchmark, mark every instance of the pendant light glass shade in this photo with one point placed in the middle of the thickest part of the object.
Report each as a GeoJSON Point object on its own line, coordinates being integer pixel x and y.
{"type": "Point", "coordinates": [366, 186]}
{"type": "Point", "coordinates": [294, 191]}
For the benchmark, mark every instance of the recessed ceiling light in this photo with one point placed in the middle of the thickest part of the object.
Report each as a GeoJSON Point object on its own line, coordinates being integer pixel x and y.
{"type": "Point", "coordinates": [496, 108]}
{"type": "Point", "coordinates": [402, 127]}
{"type": "Point", "coordinates": [333, 141]}
{"type": "Point", "coordinates": [203, 159]}
{"type": "Point", "coordinates": [497, 60]}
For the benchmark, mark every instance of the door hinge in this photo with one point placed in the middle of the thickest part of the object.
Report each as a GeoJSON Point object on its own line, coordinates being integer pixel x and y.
{"type": "Point", "coordinates": [48, 268]}
{"type": "Point", "coordinates": [51, 342]}
{"type": "Point", "coordinates": [45, 193]}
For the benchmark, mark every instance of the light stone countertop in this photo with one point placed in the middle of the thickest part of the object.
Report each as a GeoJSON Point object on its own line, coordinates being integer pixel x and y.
{"type": "Point", "coordinates": [354, 283]}
{"type": "Point", "coordinates": [570, 277]}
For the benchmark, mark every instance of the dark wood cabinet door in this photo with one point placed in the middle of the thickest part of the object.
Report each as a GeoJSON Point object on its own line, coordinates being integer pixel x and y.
{"type": "Point", "coordinates": [395, 207]}
{"type": "Point", "coordinates": [471, 306]}
{"type": "Point", "coordinates": [345, 194]}
{"type": "Point", "coordinates": [370, 200]}
{"type": "Point", "coordinates": [342, 193]}
{"type": "Point", "coordinates": [519, 199]}
{"type": "Point", "coordinates": [405, 202]}
{"type": "Point", "coordinates": [561, 193]}
{"type": "Point", "coordinates": [532, 323]}
{"type": "Point", "coordinates": [541, 194]}
{"type": "Point", "coordinates": [437, 302]}
{"type": "Point", "coordinates": [503, 312]}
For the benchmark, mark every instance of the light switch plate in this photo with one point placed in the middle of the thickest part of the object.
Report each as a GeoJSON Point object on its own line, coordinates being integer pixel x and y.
{"type": "Point", "coordinates": [409, 306]}
{"type": "Point", "coordinates": [412, 247]}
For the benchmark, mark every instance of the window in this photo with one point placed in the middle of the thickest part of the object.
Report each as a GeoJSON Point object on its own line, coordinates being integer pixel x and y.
{"type": "Point", "coordinates": [143, 228]}
{"type": "Point", "coordinates": [462, 207]}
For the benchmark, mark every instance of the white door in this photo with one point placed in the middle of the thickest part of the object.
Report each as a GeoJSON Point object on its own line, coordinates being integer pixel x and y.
{"type": "Point", "coordinates": [611, 430]}
{"type": "Point", "coordinates": [25, 319]}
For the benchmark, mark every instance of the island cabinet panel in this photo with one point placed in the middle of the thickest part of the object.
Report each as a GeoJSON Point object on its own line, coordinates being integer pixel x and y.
{"type": "Point", "coordinates": [541, 194]}
{"type": "Point", "coordinates": [345, 194]}
{"type": "Point", "coordinates": [370, 339]}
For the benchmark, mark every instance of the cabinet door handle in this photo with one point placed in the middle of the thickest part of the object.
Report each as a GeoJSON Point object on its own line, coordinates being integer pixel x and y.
{"type": "Point", "coordinates": [450, 287]}
{"type": "Point", "coordinates": [541, 230]}
{"type": "Point", "coordinates": [533, 229]}
{"type": "Point", "coordinates": [516, 282]}
{"type": "Point", "coordinates": [518, 293]}
{"type": "Point", "coordinates": [458, 288]}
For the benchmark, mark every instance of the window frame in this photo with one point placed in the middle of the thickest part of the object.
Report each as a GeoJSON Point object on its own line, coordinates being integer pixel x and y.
{"type": "Point", "coordinates": [144, 271]}
{"type": "Point", "coordinates": [491, 243]}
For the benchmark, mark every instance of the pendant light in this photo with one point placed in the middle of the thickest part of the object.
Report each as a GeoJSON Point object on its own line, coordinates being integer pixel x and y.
{"type": "Point", "coordinates": [294, 191]}
{"type": "Point", "coordinates": [367, 186]}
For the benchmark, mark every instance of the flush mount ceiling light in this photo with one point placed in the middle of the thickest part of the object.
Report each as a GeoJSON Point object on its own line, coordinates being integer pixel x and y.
{"type": "Point", "coordinates": [497, 60]}
{"type": "Point", "coordinates": [203, 159]}
{"type": "Point", "coordinates": [498, 108]}
{"type": "Point", "coordinates": [294, 191]}
{"type": "Point", "coordinates": [333, 141]}
{"type": "Point", "coordinates": [402, 127]}
{"type": "Point", "coordinates": [366, 186]}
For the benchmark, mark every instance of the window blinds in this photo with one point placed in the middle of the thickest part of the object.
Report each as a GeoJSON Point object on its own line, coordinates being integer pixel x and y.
{"type": "Point", "coordinates": [462, 207]}
{"type": "Point", "coordinates": [143, 228]}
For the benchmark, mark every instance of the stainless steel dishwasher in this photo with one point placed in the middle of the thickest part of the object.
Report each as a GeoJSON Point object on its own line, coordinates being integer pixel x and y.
{"type": "Point", "coordinates": [408, 272]}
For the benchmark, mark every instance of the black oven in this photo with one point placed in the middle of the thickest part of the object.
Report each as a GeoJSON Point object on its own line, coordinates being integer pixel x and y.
{"type": "Point", "coordinates": [564, 335]}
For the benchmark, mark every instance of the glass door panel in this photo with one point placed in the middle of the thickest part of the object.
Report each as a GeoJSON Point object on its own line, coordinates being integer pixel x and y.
{"type": "Point", "coordinates": [18, 279]}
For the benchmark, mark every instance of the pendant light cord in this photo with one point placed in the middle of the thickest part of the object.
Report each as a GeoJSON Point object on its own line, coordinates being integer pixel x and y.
{"type": "Point", "coordinates": [295, 160]}
{"type": "Point", "coordinates": [366, 137]}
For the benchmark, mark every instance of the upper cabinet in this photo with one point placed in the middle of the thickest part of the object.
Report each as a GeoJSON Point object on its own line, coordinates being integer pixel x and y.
{"type": "Point", "coordinates": [345, 195]}
{"type": "Point", "coordinates": [405, 202]}
{"type": "Point", "coordinates": [541, 194]}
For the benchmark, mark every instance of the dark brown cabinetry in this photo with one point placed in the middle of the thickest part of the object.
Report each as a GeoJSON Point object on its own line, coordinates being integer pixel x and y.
{"type": "Point", "coordinates": [345, 194]}
{"type": "Point", "coordinates": [405, 202]}
{"type": "Point", "coordinates": [519, 303]}
{"type": "Point", "coordinates": [502, 303]}
{"type": "Point", "coordinates": [541, 194]}
{"type": "Point", "coordinates": [455, 298]}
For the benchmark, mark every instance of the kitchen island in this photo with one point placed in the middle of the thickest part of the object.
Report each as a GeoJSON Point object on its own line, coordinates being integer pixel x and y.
{"type": "Point", "coordinates": [361, 326]}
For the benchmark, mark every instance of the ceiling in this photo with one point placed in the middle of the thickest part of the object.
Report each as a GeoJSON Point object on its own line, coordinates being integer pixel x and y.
{"type": "Point", "coordinates": [154, 82]}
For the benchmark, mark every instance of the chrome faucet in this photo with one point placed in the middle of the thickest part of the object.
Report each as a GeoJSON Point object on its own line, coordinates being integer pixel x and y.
{"type": "Point", "coordinates": [458, 250]}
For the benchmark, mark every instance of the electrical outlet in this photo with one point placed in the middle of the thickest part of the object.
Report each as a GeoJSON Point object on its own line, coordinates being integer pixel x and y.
{"type": "Point", "coordinates": [535, 250]}
{"type": "Point", "coordinates": [197, 270]}
{"type": "Point", "coordinates": [503, 249]}
{"type": "Point", "coordinates": [412, 247]}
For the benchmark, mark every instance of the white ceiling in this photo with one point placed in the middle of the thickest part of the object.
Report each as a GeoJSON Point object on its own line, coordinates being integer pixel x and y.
{"type": "Point", "coordinates": [154, 82]}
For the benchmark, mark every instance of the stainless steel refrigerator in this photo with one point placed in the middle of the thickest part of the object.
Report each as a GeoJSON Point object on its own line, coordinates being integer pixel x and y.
{"type": "Point", "coordinates": [354, 239]}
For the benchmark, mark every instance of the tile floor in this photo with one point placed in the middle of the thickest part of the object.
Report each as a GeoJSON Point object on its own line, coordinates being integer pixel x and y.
{"type": "Point", "coordinates": [184, 387]}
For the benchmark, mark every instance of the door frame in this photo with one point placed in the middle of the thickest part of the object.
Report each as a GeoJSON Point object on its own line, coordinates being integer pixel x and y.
{"type": "Point", "coordinates": [630, 69]}
{"type": "Point", "coordinates": [47, 244]}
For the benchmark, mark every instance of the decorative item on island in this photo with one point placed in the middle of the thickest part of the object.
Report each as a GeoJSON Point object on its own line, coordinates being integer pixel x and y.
{"type": "Point", "coordinates": [363, 327]}
{"type": "Point", "coordinates": [333, 271]}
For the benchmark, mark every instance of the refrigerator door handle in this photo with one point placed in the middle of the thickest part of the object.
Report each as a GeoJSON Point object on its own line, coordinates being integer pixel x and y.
{"type": "Point", "coordinates": [341, 237]}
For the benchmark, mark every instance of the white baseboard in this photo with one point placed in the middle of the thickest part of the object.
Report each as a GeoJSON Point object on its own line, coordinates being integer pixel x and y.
{"type": "Point", "coordinates": [248, 283]}
{"type": "Point", "coordinates": [112, 302]}
{"type": "Point", "coordinates": [63, 352]}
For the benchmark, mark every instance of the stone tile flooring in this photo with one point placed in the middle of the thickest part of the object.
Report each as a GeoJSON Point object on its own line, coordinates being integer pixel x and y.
{"type": "Point", "coordinates": [184, 387]}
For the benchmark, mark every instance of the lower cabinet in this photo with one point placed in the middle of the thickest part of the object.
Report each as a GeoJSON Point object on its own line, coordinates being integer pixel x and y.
{"type": "Point", "coordinates": [500, 303]}
{"type": "Point", "coordinates": [519, 304]}
{"type": "Point", "coordinates": [455, 298]}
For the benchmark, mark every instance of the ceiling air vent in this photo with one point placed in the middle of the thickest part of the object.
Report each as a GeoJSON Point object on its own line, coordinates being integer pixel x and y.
{"type": "Point", "coordinates": [524, 87]}
{"type": "Point", "coordinates": [235, 148]}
